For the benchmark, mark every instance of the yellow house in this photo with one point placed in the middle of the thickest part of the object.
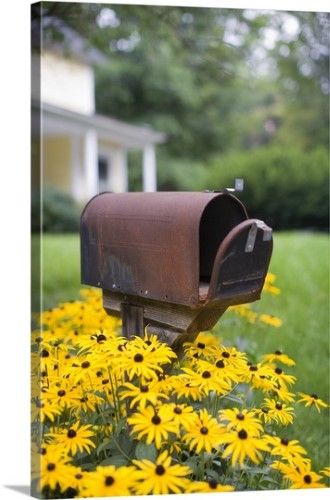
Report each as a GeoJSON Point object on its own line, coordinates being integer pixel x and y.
{"type": "Point", "coordinates": [81, 152]}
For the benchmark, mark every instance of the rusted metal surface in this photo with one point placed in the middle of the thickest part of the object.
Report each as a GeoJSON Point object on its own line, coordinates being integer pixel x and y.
{"type": "Point", "coordinates": [155, 245]}
{"type": "Point", "coordinates": [172, 262]}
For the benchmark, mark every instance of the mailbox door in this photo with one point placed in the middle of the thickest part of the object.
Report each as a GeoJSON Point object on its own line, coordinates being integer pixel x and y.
{"type": "Point", "coordinates": [242, 262]}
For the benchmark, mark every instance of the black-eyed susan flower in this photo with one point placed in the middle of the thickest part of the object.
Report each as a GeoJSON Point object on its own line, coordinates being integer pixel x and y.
{"type": "Point", "coordinates": [110, 481]}
{"type": "Point", "coordinates": [204, 433]}
{"type": "Point", "coordinates": [301, 476]}
{"type": "Point", "coordinates": [142, 394]}
{"type": "Point", "coordinates": [136, 361]}
{"type": "Point", "coordinates": [161, 477]}
{"type": "Point", "coordinates": [279, 357]}
{"type": "Point", "coordinates": [279, 412]}
{"type": "Point", "coordinates": [182, 414]}
{"type": "Point", "coordinates": [182, 387]}
{"type": "Point", "coordinates": [288, 449]}
{"type": "Point", "coordinates": [241, 419]}
{"type": "Point", "coordinates": [221, 368]}
{"type": "Point", "coordinates": [162, 353]}
{"type": "Point", "coordinates": [282, 379]}
{"type": "Point", "coordinates": [97, 342]}
{"type": "Point", "coordinates": [312, 400]}
{"type": "Point", "coordinates": [74, 439]}
{"type": "Point", "coordinates": [245, 311]}
{"type": "Point", "coordinates": [241, 445]}
{"type": "Point", "coordinates": [211, 486]}
{"type": "Point", "coordinates": [75, 480]}
{"type": "Point", "coordinates": [202, 346]}
{"type": "Point", "coordinates": [282, 393]}
{"type": "Point", "coordinates": [271, 320]}
{"type": "Point", "coordinates": [61, 394]}
{"type": "Point", "coordinates": [87, 401]}
{"type": "Point", "coordinates": [269, 284]}
{"type": "Point", "coordinates": [84, 368]}
{"type": "Point", "coordinates": [326, 471]}
{"type": "Point", "coordinates": [54, 469]}
{"type": "Point", "coordinates": [263, 414]}
{"type": "Point", "coordinates": [258, 376]}
{"type": "Point", "coordinates": [154, 425]}
{"type": "Point", "coordinates": [207, 380]}
{"type": "Point", "coordinates": [42, 409]}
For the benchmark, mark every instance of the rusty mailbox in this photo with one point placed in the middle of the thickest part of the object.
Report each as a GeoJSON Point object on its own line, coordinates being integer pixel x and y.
{"type": "Point", "coordinates": [172, 262]}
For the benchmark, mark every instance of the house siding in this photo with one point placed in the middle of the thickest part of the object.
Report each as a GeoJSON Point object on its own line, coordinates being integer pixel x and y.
{"type": "Point", "coordinates": [57, 162]}
{"type": "Point", "coordinates": [67, 83]}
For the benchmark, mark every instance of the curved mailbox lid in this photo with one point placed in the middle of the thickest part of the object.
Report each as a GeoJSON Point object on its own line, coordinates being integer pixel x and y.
{"type": "Point", "coordinates": [242, 261]}
{"type": "Point", "coordinates": [146, 244]}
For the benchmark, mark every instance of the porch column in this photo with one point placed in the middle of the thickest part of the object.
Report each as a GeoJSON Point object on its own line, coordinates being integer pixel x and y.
{"type": "Point", "coordinates": [149, 168]}
{"type": "Point", "coordinates": [76, 173]}
{"type": "Point", "coordinates": [90, 163]}
{"type": "Point", "coordinates": [118, 171]}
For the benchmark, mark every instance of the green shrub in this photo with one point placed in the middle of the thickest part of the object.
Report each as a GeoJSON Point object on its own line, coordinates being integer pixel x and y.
{"type": "Point", "coordinates": [286, 187]}
{"type": "Point", "coordinates": [60, 214]}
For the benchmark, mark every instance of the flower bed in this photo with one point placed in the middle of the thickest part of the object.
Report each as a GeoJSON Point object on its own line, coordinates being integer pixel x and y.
{"type": "Point", "coordinates": [112, 416]}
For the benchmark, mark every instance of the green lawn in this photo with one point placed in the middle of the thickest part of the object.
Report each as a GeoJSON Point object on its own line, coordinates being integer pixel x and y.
{"type": "Point", "coordinates": [301, 263]}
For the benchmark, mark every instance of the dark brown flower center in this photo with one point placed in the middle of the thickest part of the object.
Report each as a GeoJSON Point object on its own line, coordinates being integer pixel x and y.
{"type": "Point", "coordinates": [201, 345]}
{"type": "Point", "coordinates": [213, 484]}
{"type": "Point", "coordinates": [160, 470]}
{"type": "Point", "coordinates": [71, 433]}
{"type": "Point", "coordinates": [144, 388]}
{"type": "Point", "coordinates": [307, 479]}
{"type": "Point", "coordinates": [225, 354]}
{"type": "Point", "coordinates": [242, 434]}
{"type": "Point", "coordinates": [78, 476]}
{"type": "Point", "coordinates": [278, 406]}
{"type": "Point", "coordinates": [101, 338]}
{"type": "Point", "coordinates": [240, 416]}
{"type": "Point", "coordinates": [138, 358]}
{"type": "Point", "coordinates": [177, 410]}
{"type": "Point", "coordinates": [220, 364]}
{"type": "Point", "coordinates": [278, 353]}
{"type": "Point", "coordinates": [44, 353]}
{"type": "Point", "coordinates": [105, 381]}
{"type": "Point", "coordinates": [156, 420]}
{"type": "Point", "coordinates": [253, 368]}
{"type": "Point", "coordinates": [265, 410]}
{"type": "Point", "coordinates": [43, 451]}
{"type": "Point", "coordinates": [284, 441]}
{"type": "Point", "coordinates": [84, 399]}
{"type": "Point", "coordinates": [204, 430]}
{"type": "Point", "coordinates": [51, 467]}
{"type": "Point", "coordinates": [109, 480]}
{"type": "Point", "coordinates": [206, 374]}
{"type": "Point", "coordinates": [278, 371]}
{"type": "Point", "coordinates": [61, 393]}
{"type": "Point", "coordinates": [85, 364]}
{"type": "Point", "coordinates": [314, 396]}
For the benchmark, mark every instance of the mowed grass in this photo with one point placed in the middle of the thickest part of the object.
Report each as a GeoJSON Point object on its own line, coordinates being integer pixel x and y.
{"type": "Point", "coordinates": [301, 263]}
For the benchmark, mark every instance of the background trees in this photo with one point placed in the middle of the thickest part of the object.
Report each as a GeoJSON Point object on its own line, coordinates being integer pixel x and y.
{"type": "Point", "coordinates": [221, 83]}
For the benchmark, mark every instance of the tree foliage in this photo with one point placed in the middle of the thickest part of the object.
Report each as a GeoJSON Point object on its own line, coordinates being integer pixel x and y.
{"type": "Point", "coordinates": [214, 80]}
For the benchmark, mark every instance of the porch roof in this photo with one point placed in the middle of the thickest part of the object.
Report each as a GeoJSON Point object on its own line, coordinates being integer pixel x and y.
{"type": "Point", "coordinates": [56, 120]}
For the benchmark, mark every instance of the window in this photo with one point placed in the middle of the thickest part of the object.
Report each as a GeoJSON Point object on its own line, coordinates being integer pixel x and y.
{"type": "Point", "coordinates": [103, 173]}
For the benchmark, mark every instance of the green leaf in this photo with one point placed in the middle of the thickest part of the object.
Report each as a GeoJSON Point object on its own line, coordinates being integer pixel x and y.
{"type": "Point", "coordinates": [193, 463]}
{"type": "Point", "coordinates": [234, 399]}
{"type": "Point", "coordinates": [146, 451]}
{"type": "Point", "coordinates": [116, 459]}
{"type": "Point", "coordinates": [212, 474]}
{"type": "Point", "coordinates": [106, 444]}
